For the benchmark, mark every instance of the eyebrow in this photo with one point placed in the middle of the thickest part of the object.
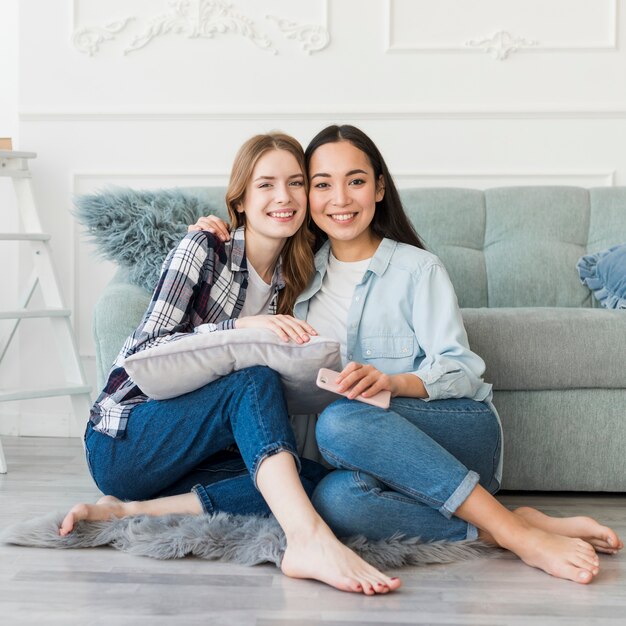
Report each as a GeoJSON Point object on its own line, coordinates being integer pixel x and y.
{"type": "Point", "coordinates": [350, 173]}
{"type": "Point", "coordinates": [274, 177]}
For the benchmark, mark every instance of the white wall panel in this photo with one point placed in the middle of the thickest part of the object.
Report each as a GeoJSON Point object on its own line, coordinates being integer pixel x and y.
{"type": "Point", "coordinates": [174, 111]}
{"type": "Point", "coordinates": [541, 25]}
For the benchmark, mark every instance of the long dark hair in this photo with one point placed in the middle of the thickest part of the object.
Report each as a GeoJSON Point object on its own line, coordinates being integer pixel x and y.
{"type": "Point", "coordinates": [390, 219]}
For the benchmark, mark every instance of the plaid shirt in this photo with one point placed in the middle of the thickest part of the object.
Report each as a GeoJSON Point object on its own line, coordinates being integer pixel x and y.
{"type": "Point", "coordinates": [203, 283]}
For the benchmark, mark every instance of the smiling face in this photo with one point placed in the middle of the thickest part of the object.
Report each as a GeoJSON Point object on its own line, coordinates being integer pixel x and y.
{"type": "Point", "coordinates": [274, 202]}
{"type": "Point", "coordinates": [343, 195]}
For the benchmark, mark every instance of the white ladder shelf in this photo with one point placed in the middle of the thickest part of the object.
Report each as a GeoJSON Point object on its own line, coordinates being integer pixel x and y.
{"type": "Point", "coordinates": [14, 165]}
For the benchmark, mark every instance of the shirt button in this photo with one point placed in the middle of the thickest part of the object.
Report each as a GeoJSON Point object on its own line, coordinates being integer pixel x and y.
{"type": "Point", "coordinates": [368, 352]}
{"type": "Point", "coordinates": [353, 325]}
{"type": "Point", "coordinates": [350, 357]}
{"type": "Point", "coordinates": [404, 350]}
{"type": "Point", "coordinates": [358, 298]}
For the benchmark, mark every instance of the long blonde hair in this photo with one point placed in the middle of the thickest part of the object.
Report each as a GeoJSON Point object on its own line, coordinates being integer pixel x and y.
{"type": "Point", "coordinates": [297, 254]}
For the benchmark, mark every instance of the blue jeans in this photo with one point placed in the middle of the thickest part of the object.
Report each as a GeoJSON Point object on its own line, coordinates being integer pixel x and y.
{"type": "Point", "coordinates": [405, 470]}
{"type": "Point", "coordinates": [179, 445]}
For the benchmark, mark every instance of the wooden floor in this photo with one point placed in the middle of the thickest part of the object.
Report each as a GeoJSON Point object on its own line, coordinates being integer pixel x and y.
{"type": "Point", "coordinates": [104, 586]}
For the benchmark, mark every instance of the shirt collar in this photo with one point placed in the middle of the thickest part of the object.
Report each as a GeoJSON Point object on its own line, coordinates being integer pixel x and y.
{"type": "Point", "coordinates": [378, 264]}
{"type": "Point", "coordinates": [238, 262]}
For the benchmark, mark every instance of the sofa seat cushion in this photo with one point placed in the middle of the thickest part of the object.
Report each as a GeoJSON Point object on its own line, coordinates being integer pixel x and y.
{"type": "Point", "coordinates": [549, 348]}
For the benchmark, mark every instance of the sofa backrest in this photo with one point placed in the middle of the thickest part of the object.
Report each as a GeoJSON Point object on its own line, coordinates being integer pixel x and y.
{"type": "Point", "coordinates": [503, 247]}
{"type": "Point", "coordinates": [518, 246]}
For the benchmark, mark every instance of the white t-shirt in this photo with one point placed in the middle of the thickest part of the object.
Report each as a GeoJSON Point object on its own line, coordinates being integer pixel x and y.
{"type": "Point", "coordinates": [328, 308]}
{"type": "Point", "coordinates": [258, 294]}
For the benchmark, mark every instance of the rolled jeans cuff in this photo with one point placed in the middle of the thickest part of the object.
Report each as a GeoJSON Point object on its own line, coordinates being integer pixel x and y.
{"type": "Point", "coordinates": [460, 494]}
{"type": "Point", "coordinates": [472, 532]}
{"type": "Point", "coordinates": [205, 501]}
{"type": "Point", "coordinates": [271, 450]}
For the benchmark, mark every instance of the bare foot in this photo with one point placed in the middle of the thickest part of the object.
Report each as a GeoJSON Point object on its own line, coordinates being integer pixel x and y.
{"type": "Point", "coordinates": [321, 556]}
{"type": "Point", "coordinates": [563, 557]}
{"type": "Point", "coordinates": [106, 508]}
{"type": "Point", "coordinates": [602, 538]}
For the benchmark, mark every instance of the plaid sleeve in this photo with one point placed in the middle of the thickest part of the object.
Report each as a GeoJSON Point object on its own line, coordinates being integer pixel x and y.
{"type": "Point", "coordinates": [169, 314]}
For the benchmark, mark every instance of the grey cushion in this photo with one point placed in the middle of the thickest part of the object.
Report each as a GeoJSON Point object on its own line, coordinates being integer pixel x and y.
{"type": "Point", "coordinates": [549, 348]}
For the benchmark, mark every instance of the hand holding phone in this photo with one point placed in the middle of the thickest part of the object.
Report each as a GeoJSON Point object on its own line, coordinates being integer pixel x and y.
{"type": "Point", "coordinates": [327, 379]}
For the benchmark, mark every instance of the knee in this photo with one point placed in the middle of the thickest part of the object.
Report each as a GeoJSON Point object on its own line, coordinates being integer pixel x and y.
{"type": "Point", "coordinates": [341, 499]}
{"type": "Point", "coordinates": [331, 498]}
{"type": "Point", "coordinates": [339, 422]}
{"type": "Point", "coordinates": [261, 375]}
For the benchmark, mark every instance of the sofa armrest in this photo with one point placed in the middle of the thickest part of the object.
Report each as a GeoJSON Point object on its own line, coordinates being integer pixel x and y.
{"type": "Point", "coordinates": [116, 315]}
{"type": "Point", "coordinates": [549, 347]}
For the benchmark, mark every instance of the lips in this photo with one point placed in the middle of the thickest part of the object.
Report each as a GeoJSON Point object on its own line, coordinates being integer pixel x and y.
{"type": "Point", "coordinates": [342, 217]}
{"type": "Point", "coordinates": [282, 214]}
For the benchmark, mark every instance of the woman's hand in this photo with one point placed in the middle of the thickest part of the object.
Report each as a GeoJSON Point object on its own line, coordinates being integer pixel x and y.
{"type": "Point", "coordinates": [285, 326]}
{"type": "Point", "coordinates": [365, 380]}
{"type": "Point", "coordinates": [214, 225]}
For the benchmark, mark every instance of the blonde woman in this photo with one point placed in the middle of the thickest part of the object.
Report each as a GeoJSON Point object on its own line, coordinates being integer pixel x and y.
{"type": "Point", "coordinates": [155, 457]}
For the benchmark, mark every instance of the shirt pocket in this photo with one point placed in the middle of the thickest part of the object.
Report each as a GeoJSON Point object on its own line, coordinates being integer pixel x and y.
{"type": "Point", "coordinates": [388, 347]}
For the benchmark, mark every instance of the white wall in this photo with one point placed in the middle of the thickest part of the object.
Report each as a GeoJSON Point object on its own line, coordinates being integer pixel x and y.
{"type": "Point", "coordinates": [9, 127]}
{"type": "Point", "coordinates": [492, 92]}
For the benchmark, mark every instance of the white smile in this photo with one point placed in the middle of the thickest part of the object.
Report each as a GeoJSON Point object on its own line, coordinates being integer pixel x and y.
{"type": "Point", "coordinates": [282, 214]}
{"type": "Point", "coordinates": [343, 217]}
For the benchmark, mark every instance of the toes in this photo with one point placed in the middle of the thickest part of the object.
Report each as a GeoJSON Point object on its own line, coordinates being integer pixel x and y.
{"type": "Point", "coordinates": [583, 576]}
{"type": "Point", "coordinates": [576, 574]}
{"type": "Point", "coordinates": [394, 583]}
{"type": "Point", "coordinates": [368, 589]}
{"type": "Point", "coordinates": [67, 525]}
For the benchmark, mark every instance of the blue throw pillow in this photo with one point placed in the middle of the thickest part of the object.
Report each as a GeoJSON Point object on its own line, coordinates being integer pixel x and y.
{"type": "Point", "coordinates": [605, 274]}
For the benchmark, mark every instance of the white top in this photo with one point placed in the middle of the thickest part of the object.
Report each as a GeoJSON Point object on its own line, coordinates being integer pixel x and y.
{"type": "Point", "coordinates": [328, 308]}
{"type": "Point", "coordinates": [258, 294]}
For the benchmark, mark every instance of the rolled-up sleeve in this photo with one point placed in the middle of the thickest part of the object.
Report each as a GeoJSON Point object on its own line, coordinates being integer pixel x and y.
{"type": "Point", "coordinates": [449, 368]}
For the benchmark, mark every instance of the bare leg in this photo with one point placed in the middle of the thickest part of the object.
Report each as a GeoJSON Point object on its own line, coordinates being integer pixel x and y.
{"type": "Point", "coordinates": [109, 507]}
{"type": "Point", "coordinates": [563, 557]}
{"type": "Point", "coordinates": [313, 551]}
{"type": "Point", "coordinates": [602, 538]}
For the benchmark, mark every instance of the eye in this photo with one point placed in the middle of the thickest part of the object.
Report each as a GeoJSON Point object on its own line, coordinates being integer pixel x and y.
{"type": "Point", "coordinates": [356, 182]}
{"type": "Point", "coordinates": [321, 185]}
{"type": "Point", "coordinates": [297, 183]}
{"type": "Point", "coordinates": [264, 185]}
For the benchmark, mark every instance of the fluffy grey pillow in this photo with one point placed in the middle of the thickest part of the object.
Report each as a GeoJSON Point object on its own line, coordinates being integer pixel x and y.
{"type": "Point", "coordinates": [137, 228]}
{"type": "Point", "coordinates": [181, 366]}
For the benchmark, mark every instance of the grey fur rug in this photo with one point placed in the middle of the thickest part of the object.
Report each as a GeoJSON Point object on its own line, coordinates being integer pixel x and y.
{"type": "Point", "coordinates": [222, 537]}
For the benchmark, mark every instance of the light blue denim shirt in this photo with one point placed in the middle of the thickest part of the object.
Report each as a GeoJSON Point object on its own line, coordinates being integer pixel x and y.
{"type": "Point", "coordinates": [405, 318]}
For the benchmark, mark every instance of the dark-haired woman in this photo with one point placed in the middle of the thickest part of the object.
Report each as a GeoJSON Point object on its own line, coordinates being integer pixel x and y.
{"type": "Point", "coordinates": [429, 465]}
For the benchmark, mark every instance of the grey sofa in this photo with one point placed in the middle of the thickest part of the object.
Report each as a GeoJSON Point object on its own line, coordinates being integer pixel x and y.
{"type": "Point", "coordinates": [555, 358]}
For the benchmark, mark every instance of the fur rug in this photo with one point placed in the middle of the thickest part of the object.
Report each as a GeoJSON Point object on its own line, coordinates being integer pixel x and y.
{"type": "Point", "coordinates": [222, 537]}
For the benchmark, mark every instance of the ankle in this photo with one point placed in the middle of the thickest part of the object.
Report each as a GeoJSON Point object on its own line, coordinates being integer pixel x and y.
{"type": "Point", "coordinates": [133, 508]}
{"type": "Point", "coordinates": [313, 530]}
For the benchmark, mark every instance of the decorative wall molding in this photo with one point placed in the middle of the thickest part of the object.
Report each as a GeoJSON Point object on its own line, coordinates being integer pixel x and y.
{"type": "Point", "coordinates": [89, 39]}
{"type": "Point", "coordinates": [564, 111]}
{"type": "Point", "coordinates": [502, 44]}
{"type": "Point", "coordinates": [312, 38]}
{"type": "Point", "coordinates": [200, 19]}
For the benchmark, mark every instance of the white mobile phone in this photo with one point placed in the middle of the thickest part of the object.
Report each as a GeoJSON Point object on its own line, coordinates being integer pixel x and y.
{"type": "Point", "coordinates": [327, 379]}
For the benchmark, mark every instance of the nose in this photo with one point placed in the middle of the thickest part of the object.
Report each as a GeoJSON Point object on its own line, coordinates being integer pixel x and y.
{"type": "Point", "coordinates": [340, 196]}
{"type": "Point", "coordinates": [282, 194]}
